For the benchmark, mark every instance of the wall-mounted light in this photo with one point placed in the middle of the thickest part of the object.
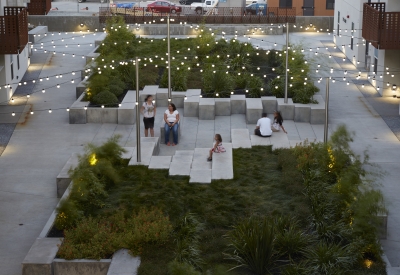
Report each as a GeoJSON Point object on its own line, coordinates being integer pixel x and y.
{"type": "Point", "coordinates": [394, 88]}
{"type": "Point", "coordinates": [81, 24]}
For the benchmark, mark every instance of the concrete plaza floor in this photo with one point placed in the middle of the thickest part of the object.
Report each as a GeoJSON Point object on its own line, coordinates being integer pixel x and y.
{"type": "Point", "coordinates": [39, 145]}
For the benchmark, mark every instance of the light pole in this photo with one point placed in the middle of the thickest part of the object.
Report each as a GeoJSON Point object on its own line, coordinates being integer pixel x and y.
{"type": "Point", "coordinates": [138, 156]}
{"type": "Point", "coordinates": [326, 111]}
{"type": "Point", "coordinates": [287, 63]}
{"type": "Point", "coordinates": [169, 60]}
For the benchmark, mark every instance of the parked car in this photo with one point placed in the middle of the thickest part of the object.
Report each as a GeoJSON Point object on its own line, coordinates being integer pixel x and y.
{"type": "Point", "coordinates": [127, 5]}
{"type": "Point", "coordinates": [256, 9]}
{"type": "Point", "coordinates": [164, 7]}
{"type": "Point", "coordinates": [188, 2]}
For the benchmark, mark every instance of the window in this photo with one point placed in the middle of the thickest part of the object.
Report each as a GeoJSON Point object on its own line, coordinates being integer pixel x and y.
{"type": "Point", "coordinates": [338, 23]}
{"type": "Point", "coordinates": [285, 3]}
{"type": "Point", "coordinates": [18, 60]}
{"type": "Point", "coordinates": [330, 4]}
{"type": "Point", "coordinates": [12, 71]}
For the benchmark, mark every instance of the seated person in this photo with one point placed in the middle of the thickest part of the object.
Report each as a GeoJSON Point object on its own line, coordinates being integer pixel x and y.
{"type": "Point", "coordinates": [171, 118]}
{"type": "Point", "coordinates": [263, 128]}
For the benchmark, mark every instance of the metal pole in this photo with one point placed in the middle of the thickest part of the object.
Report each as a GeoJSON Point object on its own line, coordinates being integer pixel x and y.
{"type": "Point", "coordinates": [326, 111]}
{"type": "Point", "coordinates": [169, 61]}
{"type": "Point", "coordinates": [287, 63]}
{"type": "Point", "coordinates": [138, 156]}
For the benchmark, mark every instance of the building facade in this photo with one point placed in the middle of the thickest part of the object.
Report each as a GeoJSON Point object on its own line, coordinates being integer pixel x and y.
{"type": "Point", "coordinates": [368, 33]}
{"type": "Point", "coordinates": [14, 59]}
{"type": "Point", "coordinates": [306, 7]}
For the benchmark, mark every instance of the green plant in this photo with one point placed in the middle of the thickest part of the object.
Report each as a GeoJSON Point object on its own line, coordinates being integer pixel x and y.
{"type": "Point", "coordinates": [329, 259]}
{"type": "Point", "coordinates": [187, 237]}
{"type": "Point", "coordinates": [68, 215]}
{"type": "Point", "coordinates": [105, 98]}
{"type": "Point", "coordinates": [179, 268]}
{"type": "Point", "coordinates": [252, 242]}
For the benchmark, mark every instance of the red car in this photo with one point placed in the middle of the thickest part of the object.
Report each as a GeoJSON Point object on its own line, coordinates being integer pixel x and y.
{"type": "Point", "coordinates": [164, 7]}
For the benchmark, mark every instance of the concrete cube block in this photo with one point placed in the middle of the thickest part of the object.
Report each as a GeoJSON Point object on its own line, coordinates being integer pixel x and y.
{"type": "Point", "coordinates": [171, 135]}
{"type": "Point", "coordinates": [127, 110]}
{"type": "Point", "coordinates": [269, 104]}
{"type": "Point", "coordinates": [63, 178]}
{"type": "Point", "coordinates": [222, 106]}
{"type": "Point", "coordinates": [317, 111]}
{"type": "Point", "coordinates": [37, 33]}
{"type": "Point", "coordinates": [162, 97]}
{"type": "Point", "coordinates": [302, 112]}
{"type": "Point", "coordinates": [40, 257]}
{"type": "Point", "coordinates": [147, 90]}
{"type": "Point", "coordinates": [191, 104]}
{"type": "Point", "coordinates": [238, 104]}
{"type": "Point", "coordinates": [81, 267]}
{"type": "Point", "coordinates": [178, 98]}
{"type": "Point", "coordinates": [207, 109]}
{"type": "Point", "coordinates": [286, 109]}
{"type": "Point", "coordinates": [254, 110]}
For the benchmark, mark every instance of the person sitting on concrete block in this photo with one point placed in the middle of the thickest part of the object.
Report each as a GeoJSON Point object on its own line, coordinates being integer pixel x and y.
{"type": "Point", "coordinates": [263, 128]}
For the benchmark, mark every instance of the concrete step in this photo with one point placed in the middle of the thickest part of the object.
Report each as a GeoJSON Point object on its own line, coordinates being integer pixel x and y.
{"type": "Point", "coordinates": [181, 163]}
{"type": "Point", "coordinates": [240, 138]}
{"type": "Point", "coordinates": [222, 164]}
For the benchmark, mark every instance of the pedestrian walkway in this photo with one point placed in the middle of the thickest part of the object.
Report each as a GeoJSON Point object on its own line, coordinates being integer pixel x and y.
{"type": "Point", "coordinates": [39, 148]}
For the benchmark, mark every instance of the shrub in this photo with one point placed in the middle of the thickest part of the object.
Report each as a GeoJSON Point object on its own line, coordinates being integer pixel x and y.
{"type": "Point", "coordinates": [116, 86]}
{"type": "Point", "coordinates": [217, 83]}
{"type": "Point", "coordinates": [68, 215]}
{"type": "Point", "coordinates": [105, 98]}
{"type": "Point", "coordinates": [178, 79]}
{"type": "Point", "coordinates": [252, 242]}
{"type": "Point", "coordinates": [254, 85]}
{"type": "Point", "coordinates": [96, 238]}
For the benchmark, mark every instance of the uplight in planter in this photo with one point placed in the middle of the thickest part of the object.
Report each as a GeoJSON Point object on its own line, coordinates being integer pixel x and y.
{"type": "Point", "coordinates": [93, 159]}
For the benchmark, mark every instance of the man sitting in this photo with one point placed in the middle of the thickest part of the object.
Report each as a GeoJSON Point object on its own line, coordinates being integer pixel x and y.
{"type": "Point", "coordinates": [263, 128]}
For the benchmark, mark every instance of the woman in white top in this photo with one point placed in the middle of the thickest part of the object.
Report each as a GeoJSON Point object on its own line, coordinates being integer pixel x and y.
{"type": "Point", "coordinates": [148, 111]}
{"type": "Point", "coordinates": [171, 118]}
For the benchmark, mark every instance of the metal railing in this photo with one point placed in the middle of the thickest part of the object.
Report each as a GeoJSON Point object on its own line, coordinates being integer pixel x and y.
{"type": "Point", "coordinates": [236, 15]}
{"type": "Point", "coordinates": [13, 30]}
{"type": "Point", "coordinates": [39, 7]}
{"type": "Point", "coordinates": [381, 28]}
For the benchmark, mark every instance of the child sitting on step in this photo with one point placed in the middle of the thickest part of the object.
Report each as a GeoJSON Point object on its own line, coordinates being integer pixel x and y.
{"type": "Point", "coordinates": [218, 147]}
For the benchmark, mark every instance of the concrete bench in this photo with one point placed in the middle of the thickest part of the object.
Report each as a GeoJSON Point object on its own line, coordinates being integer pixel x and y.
{"type": "Point", "coordinates": [148, 90]}
{"type": "Point", "coordinates": [238, 104]}
{"type": "Point", "coordinates": [178, 98]}
{"type": "Point", "coordinates": [63, 179]}
{"type": "Point", "coordinates": [260, 141]}
{"type": "Point", "coordinates": [171, 134]}
{"type": "Point", "coordinates": [254, 110]}
{"type": "Point", "coordinates": [102, 115]}
{"type": "Point", "coordinates": [127, 110]}
{"type": "Point", "coordinates": [123, 263]}
{"type": "Point", "coordinates": [191, 104]}
{"type": "Point", "coordinates": [302, 112]}
{"type": "Point", "coordinates": [286, 109]}
{"type": "Point", "coordinates": [269, 104]}
{"type": "Point", "coordinates": [162, 97]}
{"type": "Point", "coordinates": [222, 164]}
{"type": "Point", "coordinates": [37, 33]}
{"type": "Point", "coordinates": [317, 111]}
{"type": "Point", "coordinates": [39, 259]}
{"type": "Point", "coordinates": [240, 138]}
{"type": "Point", "coordinates": [222, 106]}
{"type": "Point", "coordinates": [207, 109]}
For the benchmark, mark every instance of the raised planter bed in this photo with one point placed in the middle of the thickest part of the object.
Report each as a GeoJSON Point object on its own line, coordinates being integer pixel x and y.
{"type": "Point", "coordinates": [80, 113]}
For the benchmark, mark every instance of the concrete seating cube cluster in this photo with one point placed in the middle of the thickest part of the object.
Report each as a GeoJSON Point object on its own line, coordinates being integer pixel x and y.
{"type": "Point", "coordinates": [222, 164]}
{"type": "Point", "coordinates": [254, 110]}
{"type": "Point", "coordinates": [207, 108]}
{"type": "Point", "coordinates": [37, 33]}
{"type": "Point", "coordinates": [171, 134]}
{"type": "Point", "coordinates": [191, 104]}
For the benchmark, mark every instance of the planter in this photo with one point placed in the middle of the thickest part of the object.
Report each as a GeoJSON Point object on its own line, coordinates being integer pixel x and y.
{"type": "Point", "coordinates": [125, 114]}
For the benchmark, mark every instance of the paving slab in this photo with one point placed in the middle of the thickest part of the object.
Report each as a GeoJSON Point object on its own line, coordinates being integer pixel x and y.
{"type": "Point", "coordinates": [160, 162]}
{"type": "Point", "coordinates": [146, 152]}
{"type": "Point", "coordinates": [200, 159]}
{"type": "Point", "coordinates": [240, 138]}
{"type": "Point", "coordinates": [257, 140]}
{"type": "Point", "coordinates": [123, 263]}
{"type": "Point", "coordinates": [200, 176]}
